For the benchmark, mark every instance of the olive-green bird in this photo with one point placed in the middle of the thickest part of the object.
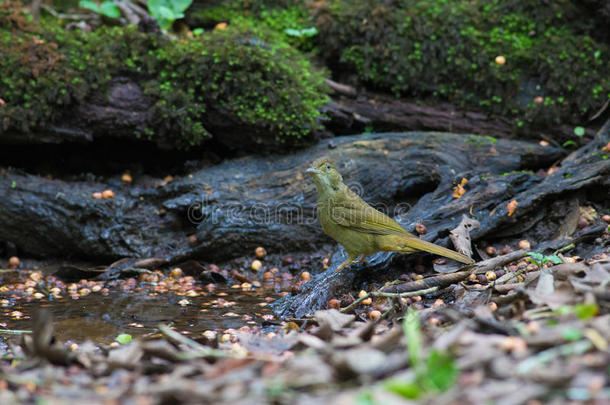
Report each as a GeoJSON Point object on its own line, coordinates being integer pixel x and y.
{"type": "Point", "coordinates": [360, 228]}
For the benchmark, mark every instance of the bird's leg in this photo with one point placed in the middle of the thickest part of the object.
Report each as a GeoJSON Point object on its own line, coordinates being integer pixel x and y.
{"type": "Point", "coordinates": [350, 258]}
{"type": "Point", "coordinates": [362, 260]}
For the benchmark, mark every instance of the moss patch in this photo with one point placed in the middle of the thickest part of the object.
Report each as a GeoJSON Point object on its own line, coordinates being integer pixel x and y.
{"type": "Point", "coordinates": [246, 74]}
{"type": "Point", "coordinates": [288, 19]}
{"type": "Point", "coordinates": [446, 50]}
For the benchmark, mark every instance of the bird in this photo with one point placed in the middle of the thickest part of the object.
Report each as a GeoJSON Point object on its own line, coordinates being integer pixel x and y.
{"type": "Point", "coordinates": [360, 228]}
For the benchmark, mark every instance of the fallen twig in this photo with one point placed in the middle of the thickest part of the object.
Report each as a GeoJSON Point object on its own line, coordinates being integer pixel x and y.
{"type": "Point", "coordinates": [388, 295]}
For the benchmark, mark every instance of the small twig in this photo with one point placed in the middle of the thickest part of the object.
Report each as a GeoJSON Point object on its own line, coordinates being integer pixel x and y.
{"type": "Point", "coordinates": [341, 88]}
{"type": "Point", "coordinates": [565, 248]}
{"type": "Point", "coordinates": [55, 14]}
{"type": "Point", "coordinates": [200, 350]}
{"type": "Point", "coordinates": [388, 295]}
{"type": "Point", "coordinates": [495, 262]}
{"type": "Point", "coordinates": [509, 298]}
{"type": "Point", "coordinates": [14, 332]}
{"type": "Point", "coordinates": [533, 362]}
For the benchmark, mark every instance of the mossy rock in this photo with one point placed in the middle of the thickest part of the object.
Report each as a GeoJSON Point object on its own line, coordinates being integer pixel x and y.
{"type": "Point", "coordinates": [242, 81]}
{"type": "Point", "coordinates": [555, 72]}
{"type": "Point", "coordinates": [290, 20]}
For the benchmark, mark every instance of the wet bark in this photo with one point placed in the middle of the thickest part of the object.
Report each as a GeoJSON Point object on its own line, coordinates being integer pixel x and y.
{"type": "Point", "coordinates": [543, 207]}
{"type": "Point", "coordinates": [243, 203]}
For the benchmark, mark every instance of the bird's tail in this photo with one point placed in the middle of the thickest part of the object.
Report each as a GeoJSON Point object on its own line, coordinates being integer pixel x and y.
{"type": "Point", "coordinates": [410, 244]}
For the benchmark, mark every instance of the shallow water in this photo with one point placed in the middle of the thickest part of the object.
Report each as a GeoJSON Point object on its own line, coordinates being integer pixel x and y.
{"type": "Point", "coordinates": [101, 318]}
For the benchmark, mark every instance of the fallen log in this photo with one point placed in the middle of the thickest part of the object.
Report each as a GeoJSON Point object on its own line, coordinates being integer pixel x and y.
{"type": "Point", "coordinates": [487, 199]}
{"type": "Point", "coordinates": [247, 202]}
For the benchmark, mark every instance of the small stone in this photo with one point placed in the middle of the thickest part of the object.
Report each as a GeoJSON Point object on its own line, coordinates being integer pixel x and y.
{"type": "Point", "coordinates": [288, 261]}
{"type": "Point", "coordinates": [221, 26]}
{"type": "Point", "coordinates": [531, 267]}
{"type": "Point", "coordinates": [126, 178]}
{"type": "Point", "coordinates": [606, 218]}
{"type": "Point", "coordinates": [367, 301]}
{"type": "Point", "coordinates": [176, 272]}
{"type": "Point", "coordinates": [491, 251]}
{"type": "Point", "coordinates": [106, 194]}
{"type": "Point", "coordinates": [209, 334]}
{"type": "Point", "coordinates": [334, 304]}
{"type": "Point", "coordinates": [256, 265]}
{"type": "Point", "coordinates": [533, 327]}
{"type": "Point", "coordinates": [490, 275]}
{"type": "Point", "coordinates": [525, 244]}
{"type": "Point", "coordinates": [260, 252]}
{"type": "Point", "coordinates": [514, 344]}
{"type": "Point", "coordinates": [192, 240]}
{"type": "Point", "coordinates": [434, 321]}
{"type": "Point", "coordinates": [493, 306]}
{"type": "Point", "coordinates": [506, 250]}
{"type": "Point", "coordinates": [268, 276]}
{"type": "Point", "coordinates": [361, 294]}
{"type": "Point", "coordinates": [538, 100]}
{"type": "Point", "coordinates": [374, 315]}
{"type": "Point", "coordinates": [500, 60]}
{"type": "Point", "coordinates": [97, 195]}
{"type": "Point", "coordinates": [13, 262]}
{"type": "Point", "coordinates": [582, 222]}
{"type": "Point", "coordinates": [421, 229]}
{"type": "Point", "coordinates": [305, 276]}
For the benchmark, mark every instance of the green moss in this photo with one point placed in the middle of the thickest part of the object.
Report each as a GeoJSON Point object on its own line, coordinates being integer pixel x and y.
{"type": "Point", "coordinates": [289, 19]}
{"type": "Point", "coordinates": [247, 75]}
{"type": "Point", "coordinates": [446, 50]}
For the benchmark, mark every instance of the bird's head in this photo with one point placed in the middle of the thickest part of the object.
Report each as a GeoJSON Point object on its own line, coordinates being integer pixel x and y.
{"type": "Point", "coordinates": [325, 174]}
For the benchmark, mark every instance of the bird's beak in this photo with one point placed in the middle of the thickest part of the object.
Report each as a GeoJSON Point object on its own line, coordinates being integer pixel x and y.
{"type": "Point", "coordinates": [313, 170]}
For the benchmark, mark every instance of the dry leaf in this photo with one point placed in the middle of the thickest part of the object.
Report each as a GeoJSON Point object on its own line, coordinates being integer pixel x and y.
{"type": "Point", "coordinates": [459, 190]}
{"type": "Point", "coordinates": [511, 207]}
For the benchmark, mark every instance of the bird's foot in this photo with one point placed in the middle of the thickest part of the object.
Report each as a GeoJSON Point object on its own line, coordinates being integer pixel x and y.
{"type": "Point", "coordinates": [344, 264]}
{"type": "Point", "coordinates": [362, 260]}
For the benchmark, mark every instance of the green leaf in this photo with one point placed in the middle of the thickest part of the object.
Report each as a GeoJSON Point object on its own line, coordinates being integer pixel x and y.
{"type": "Point", "coordinates": [579, 131]}
{"type": "Point", "coordinates": [90, 5]}
{"type": "Point", "coordinates": [13, 184]}
{"type": "Point", "coordinates": [413, 339]}
{"type": "Point", "coordinates": [568, 143]}
{"type": "Point", "coordinates": [404, 389]}
{"type": "Point", "coordinates": [553, 258]}
{"type": "Point", "coordinates": [536, 256]}
{"type": "Point", "coordinates": [167, 13]}
{"type": "Point", "coordinates": [292, 32]}
{"type": "Point", "coordinates": [197, 31]}
{"type": "Point", "coordinates": [123, 338]}
{"type": "Point", "coordinates": [442, 372]}
{"type": "Point", "coordinates": [572, 334]}
{"type": "Point", "coordinates": [109, 9]}
{"type": "Point", "coordinates": [586, 310]}
{"type": "Point", "coordinates": [179, 6]}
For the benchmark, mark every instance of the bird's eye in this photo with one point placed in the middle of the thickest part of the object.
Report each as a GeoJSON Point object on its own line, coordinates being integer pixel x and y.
{"type": "Point", "coordinates": [327, 167]}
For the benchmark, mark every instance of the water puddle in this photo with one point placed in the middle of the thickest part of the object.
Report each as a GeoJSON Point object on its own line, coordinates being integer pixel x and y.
{"type": "Point", "coordinates": [102, 316]}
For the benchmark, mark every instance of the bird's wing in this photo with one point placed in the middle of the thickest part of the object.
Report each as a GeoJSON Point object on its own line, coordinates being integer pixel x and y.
{"type": "Point", "coordinates": [351, 211]}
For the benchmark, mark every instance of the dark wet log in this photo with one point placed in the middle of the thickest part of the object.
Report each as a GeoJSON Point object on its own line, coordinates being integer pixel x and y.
{"type": "Point", "coordinates": [243, 203]}
{"type": "Point", "coordinates": [351, 112]}
{"type": "Point", "coordinates": [486, 199]}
